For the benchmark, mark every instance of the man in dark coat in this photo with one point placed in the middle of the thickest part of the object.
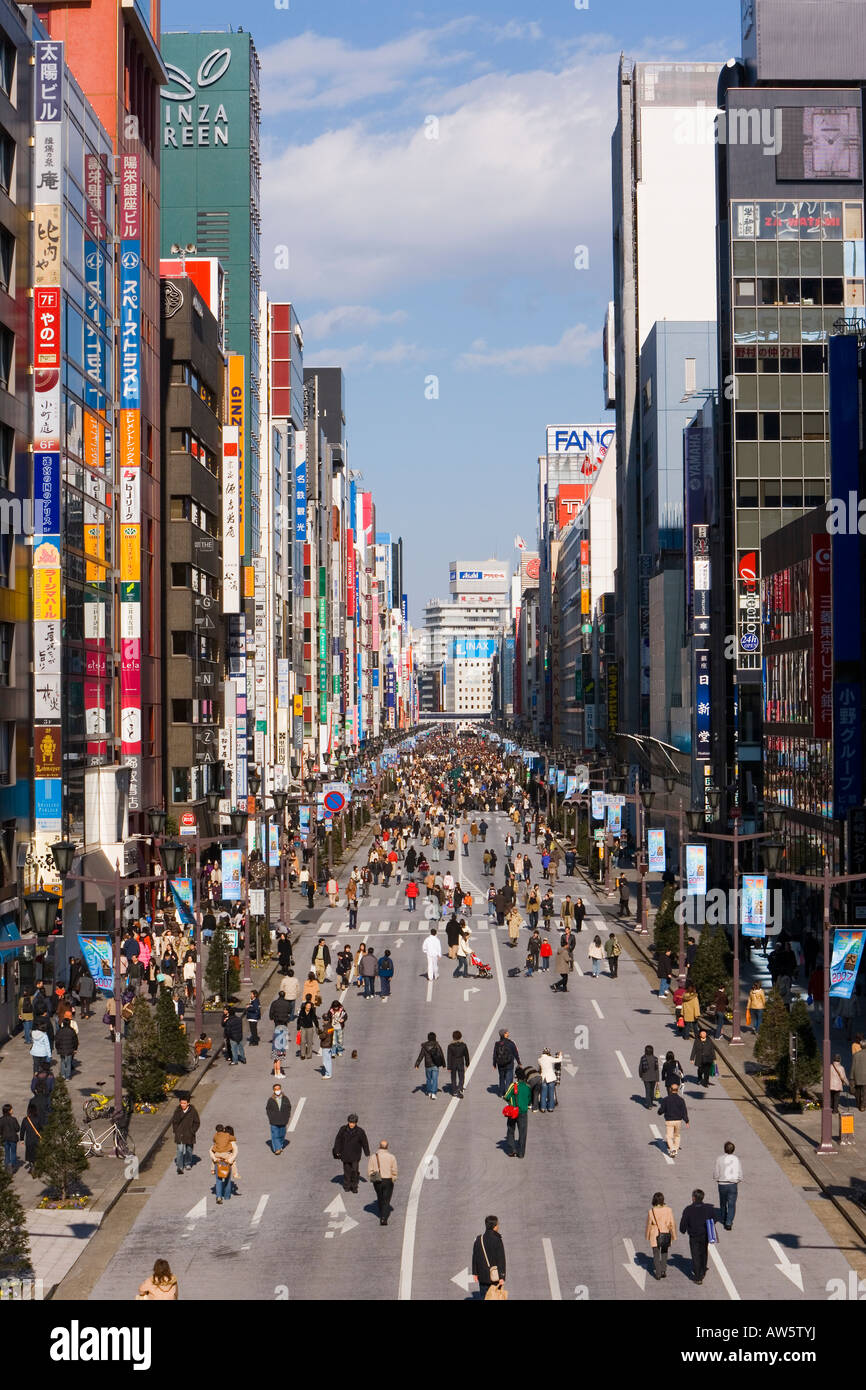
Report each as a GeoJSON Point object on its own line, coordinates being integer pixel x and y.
{"type": "Point", "coordinates": [350, 1143]}
{"type": "Point", "coordinates": [664, 966]}
{"type": "Point", "coordinates": [452, 934]}
{"type": "Point", "coordinates": [457, 1060]}
{"type": "Point", "coordinates": [284, 952]}
{"type": "Point", "coordinates": [693, 1223]}
{"type": "Point", "coordinates": [488, 1256]}
{"type": "Point", "coordinates": [676, 1113]}
{"type": "Point", "coordinates": [233, 1032]}
{"type": "Point", "coordinates": [505, 1055]}
{"type": "Point", "coordinates": [86, 992]}
{"type": "Point", "coordinates": [279, 1111]}
{"type": "Point", "coordinates": [703, 1056]}
{"type": "Point", "coordinates": [67, 1045]}
{"type": "Point", "coordinates": [184, 1125]}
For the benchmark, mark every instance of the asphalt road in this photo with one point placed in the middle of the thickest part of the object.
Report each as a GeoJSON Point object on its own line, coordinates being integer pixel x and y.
{"type": "Point", "coordinates": [572, 1213]}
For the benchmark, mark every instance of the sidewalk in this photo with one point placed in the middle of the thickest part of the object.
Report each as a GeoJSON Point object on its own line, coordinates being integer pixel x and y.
{"type": "Point", "coordinates": [57, 1238]}
{"type": "Point", "coordinates": [840, 1176]}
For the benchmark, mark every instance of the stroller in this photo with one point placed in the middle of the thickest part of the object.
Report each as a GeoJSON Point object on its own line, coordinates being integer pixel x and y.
{"type": "Point", "coordinates": [485, 972]}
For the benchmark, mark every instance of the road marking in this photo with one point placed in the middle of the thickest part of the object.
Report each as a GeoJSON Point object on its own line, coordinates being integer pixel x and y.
{"type": "Point", "coordinates": [340, 1222]}
{"type": "Point", "coordinates": [301, 1103]}
{"type": "Point", "coordinates": [464, 1280]}
{"type": "Point", "coordinates": [594, 1004]}
{"type": "Point", "coordinates": [624, 1064]}
{"type": "Point", "coordinates": [723, 1274]}
{"type": "Point", "coordinates": [473, 989]}
{"type": "Point", "coordinates": [260, 1210]}
{"type": "Point", "coordinates": [552, 1276]}
{"type": "Point", "coordinates": [429, 991]}
{"type": "Point", "coordinates": [402, 926]}
{"type": "Point", "coordinates": [657, 1134]}
{"type": "Point", "coordinates": [365, 926]}
{"type": "Point", "coordinates": [407, 1255]}
{"type": "Point", "coordinates": [637, 1272]}
{"type": "Point", "coordinates": [196, 1213]}
{"type": "Point", "coordinates": [784, 1265]}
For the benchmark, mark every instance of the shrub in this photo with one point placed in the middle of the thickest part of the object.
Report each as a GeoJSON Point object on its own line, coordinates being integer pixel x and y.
{"type": "Point", "coordinates": [143, 1072]}
{"type": "Point", "coordinates": [60, 1158]}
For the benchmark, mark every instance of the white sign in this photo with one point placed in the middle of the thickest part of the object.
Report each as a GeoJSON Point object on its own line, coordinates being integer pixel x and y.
{"type": "Point", "coordinates": [257, 902]}
{"type": "Point", "coordinates": [231, 521]}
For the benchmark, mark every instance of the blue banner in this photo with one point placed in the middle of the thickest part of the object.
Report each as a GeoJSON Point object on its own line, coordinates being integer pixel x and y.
{"type": "Point", "coordinates": [301, 500]}
{"type": "Point", "coordinates": [753, 905]}
{"type": "Point", "coordinates": [99, 959]}
{"type": "Point", "coordinates": [656, 851]}
{"type": "Point", "coordinates": [232, 875]}
{"type": "Point", "coordinates": [696, 871]}
{"type": "Point", "coordinates": [304, 816]}
{"type": "Point", "coordinates": [570, 787]}
{"type": "Point", "coordinates": [551, 776]}
{"type": "Point", "coordinates": [597, 805]}
{"type": "Point", "coordinates": [560, 781]}
{"type": "Point", "coordinates": [845, 961]}
{"type": "Point", "coordinates": [181, 892]}
{"type": "Point", "coordinates": [130, 325]}
{"type": "Point", "coordinates": [273, 846]}
{"type": "Point", "coordinates": [614, 815]}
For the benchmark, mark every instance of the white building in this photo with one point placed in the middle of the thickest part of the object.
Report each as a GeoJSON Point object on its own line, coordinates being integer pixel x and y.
{"type": "Point", "coordinates": [463, 632]}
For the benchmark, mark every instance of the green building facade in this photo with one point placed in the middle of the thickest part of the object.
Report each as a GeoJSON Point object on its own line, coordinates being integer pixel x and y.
{"type": "Point", "coordinates": [211, 172]}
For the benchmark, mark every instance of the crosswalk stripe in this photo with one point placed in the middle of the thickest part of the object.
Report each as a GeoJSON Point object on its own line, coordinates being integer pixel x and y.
{"type": "Point", "coordinates": [402, 926]}
{"type": "Point", "coordinates": [365, 926]}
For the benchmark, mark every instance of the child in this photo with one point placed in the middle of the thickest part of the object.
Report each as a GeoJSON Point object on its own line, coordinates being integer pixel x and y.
{"type": "Point", "coordinates": [202, 1046]}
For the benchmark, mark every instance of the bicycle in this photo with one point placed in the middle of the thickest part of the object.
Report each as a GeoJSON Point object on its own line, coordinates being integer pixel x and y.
{"type": "Point", "coordinates": [95, 1105]}
{"type": "Point", "coordinates": [94, 1145]}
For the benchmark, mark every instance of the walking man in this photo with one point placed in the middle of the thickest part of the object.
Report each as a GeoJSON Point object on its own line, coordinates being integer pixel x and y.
{"type": "Point", "coordinates": [623, 897]}
{"type": "Point", "coordinates": [693, 1223]}
{"type": "Point", "coordinates": [703, 1056]}
{"type": "Point", "coordinates": [279, 1110]}
{"type": "Point", "coordinates": [676, 1113]}
{"type": "Point", "coordinates": [431, 1056]}
{"type": "Point", "coordinates": [488, 1257]}
{"type": "Point", "coordinates": [505, 1055]}
{"type": "Point", "coordinates": [184, 1124]}
{"type": "Point", "coordinates": [432, 948]}
{"type": "Point", "coordinates": [728, 1173]}
{"type": "Point", "coordinates": [457, 1062]}
{"type": "Point", "coordinates": [382, 1172]}
{"type": "Point", "coordinates": [350, 1143]}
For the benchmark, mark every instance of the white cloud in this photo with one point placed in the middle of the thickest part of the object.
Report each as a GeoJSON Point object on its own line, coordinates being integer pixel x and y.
{"type": "Point", "coordinates": [348, 318]}
{"type": "Point", "coordinates": [575, 348]}
{"type": "Point", "coordinates": [363, 357]}
{"type": "Point", "coordinates": [312, 71]}
{"type": "Point", "coordinates": [514, 29]}
{"type": "Point", "coordinates": [518, 176]}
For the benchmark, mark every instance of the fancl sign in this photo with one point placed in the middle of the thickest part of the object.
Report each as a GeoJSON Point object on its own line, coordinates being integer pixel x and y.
{"type": "Point", "coordinates": [594, 440]}
{"type": "Point", "coordinates": [187, 118]}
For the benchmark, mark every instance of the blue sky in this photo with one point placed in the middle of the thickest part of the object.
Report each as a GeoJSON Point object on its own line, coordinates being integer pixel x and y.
{"type": "Point", "coordinates": [432, 171]}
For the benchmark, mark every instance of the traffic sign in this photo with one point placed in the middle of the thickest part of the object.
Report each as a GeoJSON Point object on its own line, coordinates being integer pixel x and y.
{"type": "Point", "coordinates": [188, 823]}
{"type": "Point", "coordinates": [334, 801]}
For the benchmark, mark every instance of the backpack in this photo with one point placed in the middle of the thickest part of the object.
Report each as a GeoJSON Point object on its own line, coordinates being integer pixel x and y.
{"type": "Point", "coordinates": [645, 1065]}
{"type": "Point", "coordinates": [502, 1054]}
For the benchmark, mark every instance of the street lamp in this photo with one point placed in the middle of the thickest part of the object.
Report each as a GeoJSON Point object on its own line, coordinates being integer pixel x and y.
{"type": "Point", "coordinates": [171, 853]}
{"type": "Point", "coordinates": [213, 799]}
{"type": "Point", "coordinates": [238, 822]}
{"type": "Point", "coordinates": [63, 853]}
{"type": "Point", "coordinates": [254, 782]}
{"type": "Point", "coordinates": [43, 908]}
{"type": "Point", "coordinates": [157, 819]}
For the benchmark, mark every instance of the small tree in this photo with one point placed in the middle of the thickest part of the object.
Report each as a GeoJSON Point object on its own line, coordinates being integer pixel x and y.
{"type": "Point", "coordinates": [14, 1240]}
{"type": "Point", "coordinates": [771, 1044]}
{"type": "Point", "coordinates": [710, 970]}
{"type": "Point", "coordinates": [143, 1071]}
{"type": "Point", "coordinates": [215, 969]}
{"type": "Point", "coordinates": [60, 1158]}
{"type": "Point", "coordinates": [808, 1069]}
{"type": "Point", "coordinates": [172, 1043]}
{"type": "Point", "coordinates": [666, 932]}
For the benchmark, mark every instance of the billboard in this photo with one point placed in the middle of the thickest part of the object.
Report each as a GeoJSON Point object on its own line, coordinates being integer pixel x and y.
{"type": "Point", "coordinates": [696, 870]}
{"type": "Point", "coordinates": [748, 581]}
{"type": "Point", "coordinates": [473, 648]}
{"type": "Point", "coordinates": [822, 639]}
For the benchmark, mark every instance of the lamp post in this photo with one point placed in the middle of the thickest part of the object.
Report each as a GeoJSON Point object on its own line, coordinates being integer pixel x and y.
{"type": "Point", "coordinates": [827, 882]}
{"type": "Point", "coordinates": [238, 819]}
{"type": "Point", "coordinates": [671, 784]}
{"type": "Point", "coordinates": [736, 839]}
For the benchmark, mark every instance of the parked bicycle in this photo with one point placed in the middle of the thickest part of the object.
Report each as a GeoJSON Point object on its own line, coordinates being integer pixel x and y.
{"type": "Point", "coordinates": [96, 1104]}
{"type": "Point", "coordinates": [95, 1145]}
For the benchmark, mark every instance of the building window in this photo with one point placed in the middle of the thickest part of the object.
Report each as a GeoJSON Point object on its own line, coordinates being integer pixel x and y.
{"type": "Point", "coordinates": [690, 375]}
{"type": "Point", "coordinates": [7, 444]}
{"type": "Point", "coordinates": [7, 343]}
{"type": "Point", "coordinates": [7, 634]}
{"type": "Point", "coordinates": [181, 644]}
{"type": "Point", "coordinates": [7, 160]}
{"type": "Point", "coordinates": [7, 254]}
{"type": "Point", "coordinates": [181, 576]}
{"type": "Point", "coordinates": [181, 784]}
{"type": "Point", "coordinates": [181, 713]}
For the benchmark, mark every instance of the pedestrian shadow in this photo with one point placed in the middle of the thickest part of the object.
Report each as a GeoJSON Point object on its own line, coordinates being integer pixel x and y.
{"type": "Point", "coordinates": [786, 1239]}
{"type": "Point", "coordinates": [700, 1094]}
{"type": "Point", "coordinates": [661, 1145]}
{"type": "Point", "coordinates": [494, 1091]}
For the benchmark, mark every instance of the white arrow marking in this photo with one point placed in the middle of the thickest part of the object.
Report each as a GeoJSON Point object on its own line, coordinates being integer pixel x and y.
{"type": "Point", "coordinates": [723, 1273]}
{"type": "Point", "coordinates": [594, 1004]}
{"type": "Point", "coordinates": [297, 1115]}
{"type": "Point", "coordinates": [637, 1273]}
{"type": "Point", "coordinates": [260, 1210]}
{"type": "Point", "coordinates": [464, 1280]}
{"type": "Point", "coordinates": [571, 1069]}
{"type": "Point", "coordinates": [197, 1213]}
{"type": "Point", "coordinates": [657, 1134]}
{"type": "Point", "coordinates": [785, 1266]}
{"type": "Point", "coordinates": [399, 941]}
{"type": "Point", "coordinates": [473, 989]}
{"type": "Point", "coordinates": [624, 1064]}
{"type": "Point", "coordinates": [336, 1208]}
{"type": "Point", "coordinates": [340, 1228]}
{"type": "Point", "coordinates": [552, 1276]}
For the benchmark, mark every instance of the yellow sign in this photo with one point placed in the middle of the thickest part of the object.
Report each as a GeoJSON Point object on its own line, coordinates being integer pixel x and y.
{"type": "Point", "coordinates": [846, 1124]}
{"type": "Point", "coordinates": [130, 553]}
{"type": "Point", "coordinates": [46, 594]}
{"type": "Point", "coordinates": [299, 706]}
{"type": "Point", "coordinates": [236, 406]}
{"type": "Point", "coordinates": [94, 549]}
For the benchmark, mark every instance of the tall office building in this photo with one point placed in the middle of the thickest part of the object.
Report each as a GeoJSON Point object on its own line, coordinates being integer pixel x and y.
{"type": "Point", "coordinates": [463, 634]}
{"type": "Point", "coordinates": [791, 263]}
{"type": "Point", "coordinates": [663, 268]}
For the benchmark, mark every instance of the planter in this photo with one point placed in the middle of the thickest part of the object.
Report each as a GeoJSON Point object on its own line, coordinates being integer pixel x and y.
{"type": "Point", "coordinates": [63, 1203]}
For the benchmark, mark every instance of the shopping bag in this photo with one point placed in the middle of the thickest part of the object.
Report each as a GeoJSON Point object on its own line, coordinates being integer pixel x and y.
{"type": "Point", "coordinates": [711, 1231]}
{"type": "Point", "coordinates": [748, 1017]}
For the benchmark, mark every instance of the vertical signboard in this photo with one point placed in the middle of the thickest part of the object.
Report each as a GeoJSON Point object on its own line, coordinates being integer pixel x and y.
{"type": "Point", "coordinates": [696, 870]}
{"type": "Point", "coordinates": [845, 561]}
{"type": "Point", "coordinates": [129, 309]}
{"type": "Point", "coordinates": [323, 646]}
{"type": "Point", "coordinates": [748, 580]}
{"type": "Point", "coordinates": [236, 405]}
{"type": "Point", "coordinates": [47, 340]}
{"type": "Point", "coordinates": [231, 521]}
{"type": "Point", "coordinates": [822, 639]}
{"type": "Point", "coordinates": [702, 704]}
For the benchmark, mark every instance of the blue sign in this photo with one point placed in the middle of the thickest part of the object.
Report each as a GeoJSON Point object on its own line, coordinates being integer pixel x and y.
{"type": "Point", "coordinates": [99, 959]}
{"type": "Point", "coordinates": [560, 780]}
{"type": "Point", "coordinates": [181, 892]}
{"type": "Point", "coordinates": [656, 851]}
{"type": "Point", "coordinates": [845, 961]}
{"type": "Point", "coordinates": [46, 494]}
{"type": "Point", "coordinates": [472, 648]}
{"type": "Point", "coordinates": [231, 867]}
{"type": "Point", "coordinates": [301, 500]}
{"type": "Point", "coordinates": [47, 803]}
{"type": "Point", "coordinates": [597, 805]}
{"type": "Point", "coordinates": [130, 325]}
{"type": "Point", "coordinates": [404, 603]}
{"type": "Point", "coordinates": [847, 745]}
{"type": "Point", "coordinates": [702, 704]}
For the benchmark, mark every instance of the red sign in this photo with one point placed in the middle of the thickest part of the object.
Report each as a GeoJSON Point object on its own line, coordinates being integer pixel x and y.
{"type": "Point", "coordinates": [350, 573]}
{"type": "Point", "coordinates": [570, 501]}
{"type": "Point", "coordinates": [822, 639]}
{"type": "Point", "coordinates": [187, 823]}
{"type": "Point", "coordinates": [46, 346]}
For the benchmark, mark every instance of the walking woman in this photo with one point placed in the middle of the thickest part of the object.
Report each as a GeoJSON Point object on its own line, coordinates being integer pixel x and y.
{"type": "Point", "coordinates": [661, 1232]}
{"type": "Point", "coordinates": [579, 914]}
{"type": "Point", "coordinates": [159, 1285]}
{"type": "Point", "coordinates": [31, 1127]}
{"type": "Point", "coordinates": [308, 1024]}
{"type": "Point", "coordinates": [755, 1007]}
{"type": "Point", "coordinates": [596, 954]}
{"type": "Point", "coordinates": [533, 906]}
{"type": "Point", "coordinates": [25, 1015]}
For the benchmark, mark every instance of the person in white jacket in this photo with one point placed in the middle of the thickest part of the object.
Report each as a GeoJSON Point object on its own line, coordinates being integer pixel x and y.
{"type": "Point", "coordinates": [548, 1079]}
{"type": "Point", "coordinates": [728, 1173]}
{"type": "Point", "coordinates": [432, 948]}
{"type": "Point", "coordinates": [596, 954]}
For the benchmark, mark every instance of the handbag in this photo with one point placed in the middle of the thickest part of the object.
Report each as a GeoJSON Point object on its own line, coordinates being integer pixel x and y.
{"type": "Point", "coordinates": [107, 1018]}
{"type": "Point", "coordinates": [510, 1112]}
{"type": "Point", "coordinates": [748, 1017]}
{"type": "Point", "coordinates": [492, 1270]}
{"type": "Point", "coordinates": [711, 1231]}
{"type": "Point", "coordinates": [663, 1239]}
{"type": "Point", "coordinates": [495, 1294]}
{"type": "Point", "coordinates": [298, 1038]}
{"type": "Point", "coordinates": [222, 1170]}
